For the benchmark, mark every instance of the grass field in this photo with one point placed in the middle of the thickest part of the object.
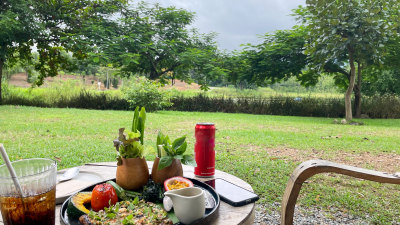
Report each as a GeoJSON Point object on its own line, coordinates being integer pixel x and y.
{"type": "Point", "coordinates": [261, 92]}
{"type": "Point", "coordinates": [262, 150]}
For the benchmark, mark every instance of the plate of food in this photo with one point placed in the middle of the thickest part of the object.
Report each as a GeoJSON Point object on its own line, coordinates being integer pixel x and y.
{"type": "Point", "coordinates": [145, 206]}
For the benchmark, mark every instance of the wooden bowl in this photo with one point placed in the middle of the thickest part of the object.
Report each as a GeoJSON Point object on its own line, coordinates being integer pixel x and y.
{"type": "Point", "coordinates": [159, 176]}
{"type": "Point", "coordinates": [133, 173]}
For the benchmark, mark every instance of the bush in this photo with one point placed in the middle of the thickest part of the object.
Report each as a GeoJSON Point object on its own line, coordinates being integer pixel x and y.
{"type": "Point", "coordinates": [4, 89]}
{"type": "Point", "coordinates": [288, 106]}
{"type": "Point", "coordinates": [381, 106]}
{"type": "Point", "coordinates": [146, 93]}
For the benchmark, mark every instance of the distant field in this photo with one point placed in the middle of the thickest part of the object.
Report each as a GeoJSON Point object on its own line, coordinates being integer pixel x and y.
{"type": "Point", "coordinates": [180, 88]}
{"type": "Point", "coordinates": [263, 150]}
{"type": "Point", "coordinates": [262, 92]}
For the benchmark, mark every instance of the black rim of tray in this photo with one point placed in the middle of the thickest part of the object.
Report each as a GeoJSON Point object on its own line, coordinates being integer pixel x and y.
{"type": "Point", "coordinates": [209, 215]}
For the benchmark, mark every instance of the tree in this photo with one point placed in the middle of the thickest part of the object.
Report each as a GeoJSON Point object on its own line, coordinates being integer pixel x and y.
{"type": "Point", "coordinates": [155, 41]}
{"type": "Point", "coordinates": [385, 79]}
{"type": "Point", "coordinates": [52, 26]}
{"type": "Point", "coordinates": [280, 56]}
{"type": "Point", "coordinates": [17, 29]}
{"type": "Point", "coordinates": [355, 30]}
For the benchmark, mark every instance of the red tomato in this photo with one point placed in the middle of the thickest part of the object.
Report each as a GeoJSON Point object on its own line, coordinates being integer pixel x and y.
{"type": "Point", "coordinates": [101, 196]}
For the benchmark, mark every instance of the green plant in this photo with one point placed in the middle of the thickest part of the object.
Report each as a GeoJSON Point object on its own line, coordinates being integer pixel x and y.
{"type": "Point", "coordinates": [146, 93]}
{"type": "Point", "coordinates": [167, 152]}
{"type": "Point", "coordinates": [131, 145]}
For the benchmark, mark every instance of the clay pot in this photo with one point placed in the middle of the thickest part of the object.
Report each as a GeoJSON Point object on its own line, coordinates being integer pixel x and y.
{"type": "Point", "coordinates": [159, 176]}
{"type": "Point", "coordinates": [133, 173]}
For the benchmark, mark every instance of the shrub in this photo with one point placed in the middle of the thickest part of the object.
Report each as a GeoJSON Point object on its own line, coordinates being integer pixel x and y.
{"type": "Point", "coordinates": [287, 106]}
{"type": "Point", "coordinates": [4, 89]}
{"type": "Point", "coordinates": [63, 95]}
{"type": "Point", "coordinates": [146, 93]}
{"type": "Point", "coordinates": [381, 106]}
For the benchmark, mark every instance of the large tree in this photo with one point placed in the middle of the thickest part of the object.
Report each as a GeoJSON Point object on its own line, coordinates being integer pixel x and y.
{"type": "Point", "coordinates": [17, 29]}
{"type": "Point", "coordinates": [278, 57]}
{"type": "Point", "coordinates": [52, 26]}
{"type": "Point", "coordinates": [355, 30]}
{"type": "Point", "coordinates": [156, 41]}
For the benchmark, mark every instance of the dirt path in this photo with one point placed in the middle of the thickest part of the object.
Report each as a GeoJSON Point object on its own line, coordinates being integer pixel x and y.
{"type": "Point", "coordinates": [382, 162]}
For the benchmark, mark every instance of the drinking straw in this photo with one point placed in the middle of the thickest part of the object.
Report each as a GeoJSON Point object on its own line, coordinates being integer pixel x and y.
{"type": "Point", "coordinates": [11, 170]}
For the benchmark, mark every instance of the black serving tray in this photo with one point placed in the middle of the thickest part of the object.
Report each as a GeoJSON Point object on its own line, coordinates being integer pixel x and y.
{"type": "Point", "coordinates": [209, 214]}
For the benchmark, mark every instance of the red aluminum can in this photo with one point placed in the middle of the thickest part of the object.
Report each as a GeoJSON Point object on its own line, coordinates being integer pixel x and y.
{"type": "Point", "coordinates": [204, 150]}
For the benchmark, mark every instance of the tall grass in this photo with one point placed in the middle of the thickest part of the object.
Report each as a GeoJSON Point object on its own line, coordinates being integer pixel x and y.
{"type": "Point", "coordinates": [278, 105]}
{"type": "Point", "coordinates": [67, 94]}
{"type": "Point", "coordinates": [261, 92]}
{"type": "Point", "coordinates": [73, 94]}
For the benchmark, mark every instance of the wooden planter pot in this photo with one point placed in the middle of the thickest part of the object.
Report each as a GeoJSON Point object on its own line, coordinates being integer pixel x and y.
{"type": "Point", "coordinates": [159, 176]}
{"type": "Point", "coordinates": [133, 173]}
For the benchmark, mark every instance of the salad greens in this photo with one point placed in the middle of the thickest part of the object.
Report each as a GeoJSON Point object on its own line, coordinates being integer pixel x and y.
{"type": "Point", "coordinates": [131, 144]}
{"type": "Point", "coordinates": [168, 151]}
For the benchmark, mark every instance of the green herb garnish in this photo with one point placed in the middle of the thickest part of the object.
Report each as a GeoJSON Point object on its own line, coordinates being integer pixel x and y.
{"type": "Point", "coordinates": [167, 152]}
{"type": "Point", "coordinates": [130, 145]}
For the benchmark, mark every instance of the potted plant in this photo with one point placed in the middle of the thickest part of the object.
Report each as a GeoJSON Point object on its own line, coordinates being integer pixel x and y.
{"type": "Point", "coordinates": [170, 157]}
{"type": "Point", "coordinates": [132, 170]}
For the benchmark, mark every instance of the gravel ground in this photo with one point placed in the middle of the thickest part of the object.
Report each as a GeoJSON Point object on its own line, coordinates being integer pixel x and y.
{"type": "Point", "coordinates": [302, 216]}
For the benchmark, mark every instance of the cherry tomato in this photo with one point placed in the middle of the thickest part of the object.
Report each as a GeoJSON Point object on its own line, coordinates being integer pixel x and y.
{"type": "Point", "coordinates": [101, 196]}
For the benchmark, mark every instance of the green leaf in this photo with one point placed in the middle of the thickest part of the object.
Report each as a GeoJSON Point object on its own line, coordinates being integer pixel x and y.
{"type": "Point", "coordinates": [181, 149]}
{"type": "Point", "coordinates": [178, 157]}
{"type": "Point", "coordinates": [136, 201]}
{"type": "Point", "coordinates": [167, 141]}
{"type": "Point", "coordinates": [141, 123]}
{"type": "Point", "coordinates": [141, 129]}
{"type": "Point", "coordinates": [178, 142]}
{"type": "Point", "coordinates": [160, 138]}
{"type": "Point", "coordinates": [111, 215]}
{"type": "Point", "coordinates": [133, 135]}
{"type": "Point", "coordinates": [135, 119]}
{"type": "Point", "coordinates": [165, 161]}
{"type": "Point", "coordinates": [171, 215]}
{"type": "Point", "coordinates": [143, 115]}
{"type": "Point", "coordinates": [161, 152]}
{"type": "Point", "coordinates": [96, 59]}
{"type": "Point", "coordinates": [168, 149]}
{"type": "Point", "coordinates": [189, 160]}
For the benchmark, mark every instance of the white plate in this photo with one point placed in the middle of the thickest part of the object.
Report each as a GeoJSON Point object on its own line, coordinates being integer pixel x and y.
{"type": "Point", "coordinates": [82, 180]}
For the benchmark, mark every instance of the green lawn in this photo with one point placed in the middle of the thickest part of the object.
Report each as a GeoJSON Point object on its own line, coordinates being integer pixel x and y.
{"type": "Point", "coordinates": [245, 145]}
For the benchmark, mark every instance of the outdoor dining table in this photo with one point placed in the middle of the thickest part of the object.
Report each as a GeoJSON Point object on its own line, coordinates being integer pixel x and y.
{"type": "Point", "coordinates": [92, 173]}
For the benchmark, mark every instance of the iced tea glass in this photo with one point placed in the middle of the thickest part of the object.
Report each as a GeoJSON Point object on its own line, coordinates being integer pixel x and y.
{"type": "Point", "coordinates": [38, 183]}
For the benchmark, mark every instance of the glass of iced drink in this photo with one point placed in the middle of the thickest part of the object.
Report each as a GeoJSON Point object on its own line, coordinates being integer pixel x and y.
{"type": "Point", "coordinates": [38, 183]}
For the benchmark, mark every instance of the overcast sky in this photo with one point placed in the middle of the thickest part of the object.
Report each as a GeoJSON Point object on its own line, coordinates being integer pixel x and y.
{"type": "Point", "coordinates": [238, 21]}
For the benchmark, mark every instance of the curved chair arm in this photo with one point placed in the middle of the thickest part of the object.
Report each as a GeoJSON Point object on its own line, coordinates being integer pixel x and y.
{"type": "Point", "coordinates": [310, 168]}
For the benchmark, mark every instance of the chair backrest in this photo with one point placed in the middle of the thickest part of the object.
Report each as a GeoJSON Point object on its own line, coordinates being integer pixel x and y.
{"type": "Point", "coordinates": [310, 168]}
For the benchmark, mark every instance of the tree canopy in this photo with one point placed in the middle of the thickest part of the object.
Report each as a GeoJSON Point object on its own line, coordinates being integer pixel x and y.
{"type": "Point", "coordinates": [348, 33]}
{"type": "Point", "coordinates": [155, 41]}
{"type": "Point", "coordinates": [51, 27]}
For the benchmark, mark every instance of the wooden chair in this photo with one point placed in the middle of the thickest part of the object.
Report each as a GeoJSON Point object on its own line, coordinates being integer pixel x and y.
{"type": "Point", "coordinates": [310, 168]}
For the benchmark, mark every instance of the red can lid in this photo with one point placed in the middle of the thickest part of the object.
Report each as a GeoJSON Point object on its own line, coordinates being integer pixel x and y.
{"type": "Point", "coordinates": [205, 124]}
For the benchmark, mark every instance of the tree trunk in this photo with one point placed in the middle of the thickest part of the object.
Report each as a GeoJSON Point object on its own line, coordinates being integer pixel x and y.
{"type": "Point", "coordinates": [347, 97]}
{"type": "Point", "coordinates": [357, 92]}
{"type": "Point", "coordinates": [107, 82]}
{"type": "Point", "coordinates": [153, 74]}
{"type": "Point", "coordinates": [1, 78]}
